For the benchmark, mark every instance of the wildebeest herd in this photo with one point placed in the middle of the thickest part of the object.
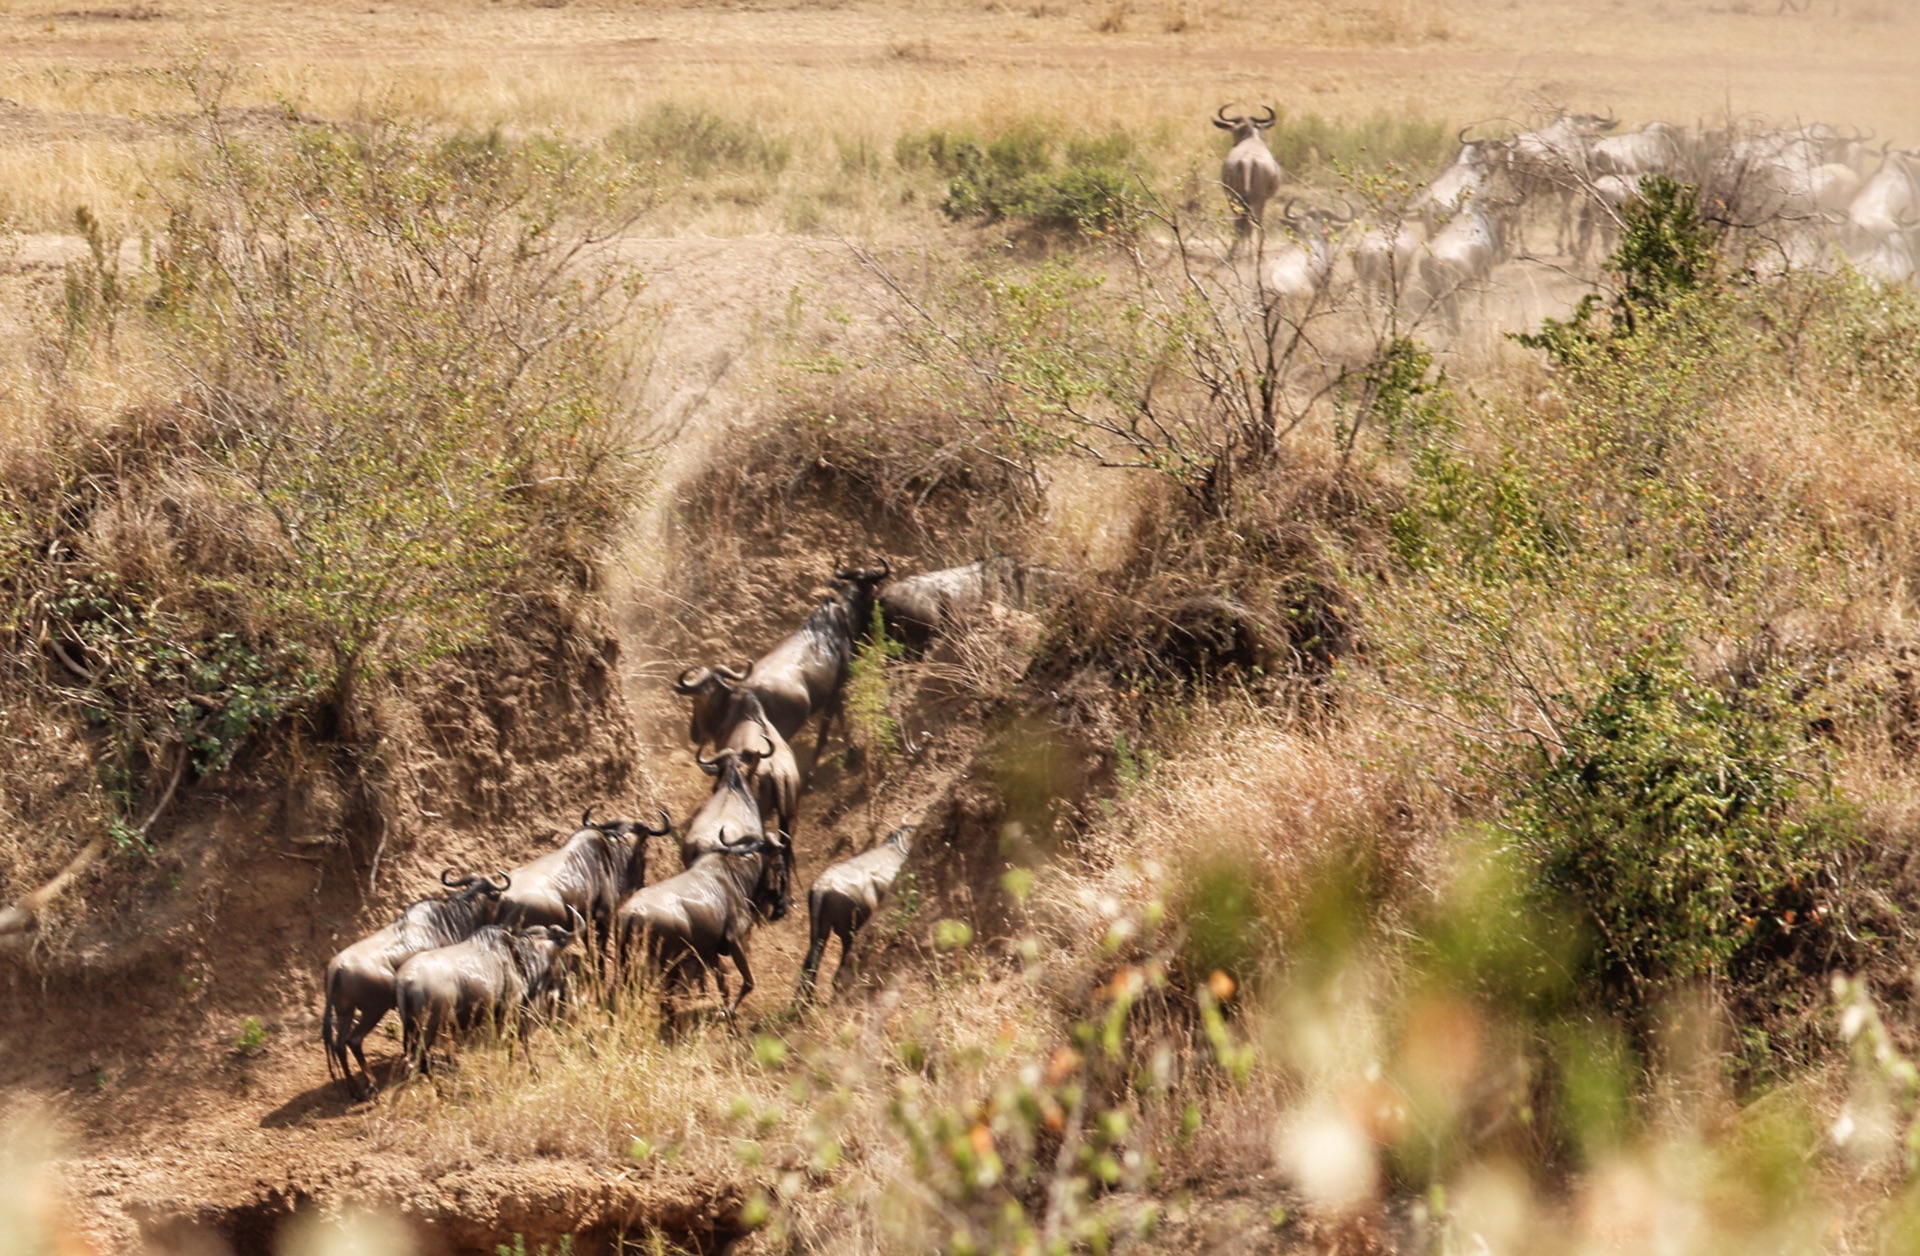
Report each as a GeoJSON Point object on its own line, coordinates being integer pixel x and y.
{"type": "Point", "coordinates": [1809, 197]}
{"type": "Point", "coordinates": [493, 949]}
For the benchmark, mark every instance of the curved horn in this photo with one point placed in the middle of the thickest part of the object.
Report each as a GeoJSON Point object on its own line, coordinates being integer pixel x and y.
{"type": "Point", "coordinates": [1352, 213]}
{"type": "Point", "coordinates": [1287, 215]}
{"type": "Point", "coordinates": [586, 817]}
{"type": "Point", "coordinates": [574, 913]}
{"type": "Point", "coordinates": [666, 825]}
{"type": "Point", "coordinates": [1611, 121]}
{"type": "Point", "coordinates": [1269, 120]}
{"type": "Point", "coordinates": [444, 879]}
{"type": "Point", "coordinates": [689, 681]}
{"type": "Point", "coordinates": [710, 766]}
{"type": "Point", "coordinates": [768, 738]}
{"type": "Point", "coordinates": [505, 883]}
{"type": "Point", "coordinates": [727, 673]}
{"type": "Point", "coordinates": [1220, 119]}
{"type": "Point", "coordinates": [916, 749]}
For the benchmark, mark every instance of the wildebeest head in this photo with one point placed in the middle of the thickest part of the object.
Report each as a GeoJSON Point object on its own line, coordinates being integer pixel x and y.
{"type": "Point", "coordinates": [711, 689]}
{"type": "Point", "coordinates": [1244, 126]}
{"type": "Point", "coordinates": [855, 587]}
{"type": "Point", "coordinates": [473, 884]}
{"type": "Point", "coordinates": [773, 893]}
{"type": "Point", "coordinates": [734, 764]}
{"type": "Point", "coordinates": [634, 832]}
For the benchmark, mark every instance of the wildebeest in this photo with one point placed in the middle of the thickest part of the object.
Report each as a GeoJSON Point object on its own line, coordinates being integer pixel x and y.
{"type": "Point", "coordinates": [1889, 199]}
{"type": "Point", "coordinates": [1469, 176]}
{"type": "Point", "coordinates": [1249, 173]}
{"type": "Point", "coordinates": [1385, 259]}
{"type": "Point", "coordinates": [917, 608]}
{"type": "Point", "coordinates": [587, 875]}
{"type": "Point", "coordinates": [802, 674]}
{"type": "Point", "coordinates": [1655, 148]}
{"type": "Point", "coordinates": [1299, 271]}
{"type": "Point", "coordinates": [493, 974]}
{"type": "Point", "coordinates": [732, 807]}
{"type": "Point", "coordinates": [1889, 257]}
{"type": "Point", "coordinates": [360, 979]}
{"type": "Point", "coordinates": [1550, 164]}
{"type": "Point", "coordinates": [687, 923]}
{"type": "Point", "coordinates": [1606, 207]}
{"type": "Point", "coordinates": [776, 774]}
{"type": "Point", "coordinates": [1463, 254]}
{"type": "Point", "coordinates": [844, 898]}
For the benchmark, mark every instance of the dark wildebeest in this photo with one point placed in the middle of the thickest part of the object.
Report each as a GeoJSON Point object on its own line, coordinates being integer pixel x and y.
{"type": "Point", "coordinates": [589, 874]}
{"type": "Point", "coordinates": [1249, 173]}
{"type": "Point", "coordinates": [359, 980]}
{"type": "Point", "coordinates": [845, 897]}
{"type": "Point", "coordinates": [686, 923]}
{"type": "Point", "coordinates": [800, 676]}
{"type": "Point", "coordinates": [493, 974]}
{"type": "Point", "coordinates": [916, 608]}
{"type": "Point", "coordinates": [776, 774]}
{"type": "Point", "coordinates": [732, 807]}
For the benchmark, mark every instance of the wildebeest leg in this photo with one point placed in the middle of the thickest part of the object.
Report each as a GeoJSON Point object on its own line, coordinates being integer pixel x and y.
{"type": "Point", "coordinates": [810, 966]}
{"type": "Point", "coordinates": [849, 969]}
{"type": "Point", "coordinates": [719, 979]}
{"type": "Point", "coordinates": [820, 740]}
{"type": "Point", "coordinates": [738, 950]}
{"type": "Point", "coordinates": [429, 1034]}
{"type": "Point", "coordinates": [353, 1038]}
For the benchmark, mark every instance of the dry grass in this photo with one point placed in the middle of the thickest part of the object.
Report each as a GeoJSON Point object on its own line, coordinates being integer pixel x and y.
{"type": "Point", "coordinates": [822, 75]}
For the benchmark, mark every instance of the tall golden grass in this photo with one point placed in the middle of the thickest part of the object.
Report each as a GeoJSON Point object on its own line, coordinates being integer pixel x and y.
{"type": "Point", "coordinates": [832, 78]}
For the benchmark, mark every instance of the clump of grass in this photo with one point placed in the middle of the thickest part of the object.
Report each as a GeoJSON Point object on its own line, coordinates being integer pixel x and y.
{"type": "Point", "coordinates": [695, 142]}
{"type": "Point", "coordinates": [1309, 143]}
{"type": "Point", "coordinates": [251, 1038]}
{"type": "Point", "coordinates": [867, 690]}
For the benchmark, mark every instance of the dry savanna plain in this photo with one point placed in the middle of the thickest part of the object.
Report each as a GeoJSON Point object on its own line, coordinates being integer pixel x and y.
{"type": "Point", "coordinates": [1422, 760]}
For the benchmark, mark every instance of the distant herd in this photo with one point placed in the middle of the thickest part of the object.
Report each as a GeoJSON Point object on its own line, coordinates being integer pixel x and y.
{"type": "Point", "coordinates": [492, 950]}
{"type": "Point", "coordinates": [1819, 196]}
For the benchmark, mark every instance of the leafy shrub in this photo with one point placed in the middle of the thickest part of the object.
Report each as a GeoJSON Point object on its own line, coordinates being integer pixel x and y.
{"type": "Point", "coordinates": [867, 690]}
{"type": "Point", "coordinates": [1667, 252]}
{"type": "Point", "coordinates": [1017, 177]}
{"type": "Point", "coordinates": [698, 143]}
{"type": "Point", "coordinates": [390, 398]}
{"type": "Point", "coordinates": [1672, 821]}
{"type": "Point", "coordinates": [251, 1038]}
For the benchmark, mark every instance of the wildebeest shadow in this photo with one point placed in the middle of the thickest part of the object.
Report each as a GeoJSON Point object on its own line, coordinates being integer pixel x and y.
{"type": "Point", "coordinates": [330, 1099]}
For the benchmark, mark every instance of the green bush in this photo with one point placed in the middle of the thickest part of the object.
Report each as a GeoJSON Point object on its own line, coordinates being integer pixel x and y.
{"type": "Point", "coordinates": [1674, 823]}
{"type": "Point", "coordinates": [380, 398]}
{"type": "Point", "coordinates": [1024, 176]}
{"type": "Point", "coordinates": [698, 143]}
{"type": "Point", "coordinates": [1667, 253]}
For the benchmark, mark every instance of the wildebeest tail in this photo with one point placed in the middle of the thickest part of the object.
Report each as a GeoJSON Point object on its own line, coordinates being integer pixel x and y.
{"type": "Point", "coordinates": [326, 1029]}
